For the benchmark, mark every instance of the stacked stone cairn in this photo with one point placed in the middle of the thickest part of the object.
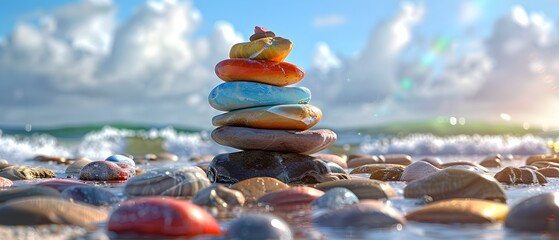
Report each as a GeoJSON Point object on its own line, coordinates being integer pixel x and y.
{"type": "Point", "coordinates": [265, 118]}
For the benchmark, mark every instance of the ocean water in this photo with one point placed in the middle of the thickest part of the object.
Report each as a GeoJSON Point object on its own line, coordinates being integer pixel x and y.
{"type": "Point", "coordinates": [21, 147]}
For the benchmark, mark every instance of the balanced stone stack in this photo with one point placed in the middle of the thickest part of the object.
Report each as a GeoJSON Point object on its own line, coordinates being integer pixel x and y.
{"type": "Point", "coordinates": [264, 117]}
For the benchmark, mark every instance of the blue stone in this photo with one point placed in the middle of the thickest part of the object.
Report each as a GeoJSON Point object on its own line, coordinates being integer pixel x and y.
{"type": "Point", "coordinates": [121, 159]}
{"type": "Point", "coordinates": [89, 194]}
{"type": "Point", "coordinates": [335, 198]}
{"type": "Point", "coordinates": [237, 95]}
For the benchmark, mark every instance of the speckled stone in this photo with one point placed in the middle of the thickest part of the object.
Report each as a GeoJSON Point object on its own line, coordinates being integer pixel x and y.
{"type": "Point", "coordinates": [106, 171]}
{"type": "Point", "coordinates": [304, 142]}
{"type": "Point", "coordinates": [26, 173]}
{"type": "Point", "coordinates": [254, 188]}
{"type": "Point", "coordinates": [236, 95]}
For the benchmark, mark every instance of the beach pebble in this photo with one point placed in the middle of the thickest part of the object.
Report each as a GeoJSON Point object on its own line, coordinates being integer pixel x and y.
{"type": "Point", "coordinates": [512, 175]}
{"type": "Point", "coordinates": [418, 170]}
{"type": "Point", "coordinates": [304, 142]}
{"type": "Point", "coordinates": [254, 188]}
{"type": "Point", "coordinates": [3, 161]}
{"type": "Point", "coordinates": [118, 158]}
{"type": "Point", "coordinates": [542, 157]}
{"type": "Point", "coordinates": [334, 168]}
{"type": "Point", "coordinates": [90, 194]}
{"type": "Point", "coordinates": [236, 95]}
{"type": "Point", "coordinates": [231, 168]}
{"type": "Point", "coordinates": [401, 159]}
{"type": "Point", "coordinates": [183, 182]}
{"type": "Point", "coordinates": [362, 188]}
{"type": "Point", "coordinates": [60, 184]}
{"type": "Point", "coordinates": [535, 214]}
{"type": "Point", "coordinates": [291, 199]}
{"type": "Point", "coordinates": [283, 117]}
{"type": "Point", "coordinates": [335, 198]}
{"type": "Point", "coordinates": [77, 166]}
{"type": "Point", "coordinates": [106, 171]}
{"type": "Point", "coordinates": [460, 211]}
{"type": "Point", "coordinates": [366, 214]}
{"type": "Point", "coordinates": [340, 160]}
{"type": "Point", "coordinates": [492, 161]}
{"type": "Point", "coordinates": [162, 216]}
{"type": "Point", "coordinates": [50, 159]}
{"type": "Point", "coordinates": [432, 160]}
{"type": "Point", "coordinates": [258, 226]}
{"type": "Point", "coordinates": [370, 168]}
{"type": "Point", "coordinates": [357, 161]}
{"type": "Point", "coordinates": [47, 210]}
{"type": "Point", "coordinates": [465, 165]}
{"type": "Point", "coordinates": [25, 192]}
{"type": "Point", "coordinates": [4, 182]}
{"type": "Point", "coordinates": [387, 174]}
{"type": "Point", "coordinates": [550, 172]}
{"type": "Point", "coordinates": [543, 164]}
{"type": "Point", "coordinates": [217, 195]}
{"type": "Point", "coordinates": [26, 173]}
{"type": "Point", "coordinates": [456, 183]}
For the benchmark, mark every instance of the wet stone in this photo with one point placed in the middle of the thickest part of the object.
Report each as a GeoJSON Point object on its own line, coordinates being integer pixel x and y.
{"type": "Point", "coordinates": [460, 211]}
{"type": "Point", "coordinates": [181, 182]}
{"type": "Point", "coordinates": [388, 174]}
{"type": "Point", "coordinates": [106, 171]}
{"type": "Point", "coordinates": [162, 217]}
{"type": "Point", "coordinates": [418, 170]}
{"type": "Point", "coordinates": [60, 184]}
{"type": "Point", "coordinates": [291, 199]}
{"type": "Point", "coordinates": [535, 214]}
{"type": "Point", "coordinates": [77, 166]}
{"type": "Point", "coordinates": [47, 210]}
{"type": "Point", "coordinates": [550, 172]}
{"type": "Point", "coordinates": [335, 198]}
{"type": "Point", "coordinates": [512, 175]}
{"type": "Point", "coordinates": [231, 168]}
{"type": "Point", "coordinates": [258, 226]}
{"type": "Point", "coordinates": [368, 214]}
{"type": "Point", "coordinates": [89, 194]}
{"type": "Point", "coordinates": [25, 192]}
{"type": "Point", "coordinates": [456, 183]}
{"type": "Point", "coordinates": [118, 158]}
{"type": "Point", "coordinates": [340, 160]}
{"type": "Point", "coordinates": [4, 182]}
{"type": "Point", "coordinates": [217, 195]}
{"type": "Point", "coordinates": [370, 168]}
{"type": "Point", "coordinates": [362, 188]}
{"type": "Point", "coordinates": [254, 188]}
{"type": "Point", "coordinates": [26, 173]}
{"type": "Point", "coordinates": [492, 161]}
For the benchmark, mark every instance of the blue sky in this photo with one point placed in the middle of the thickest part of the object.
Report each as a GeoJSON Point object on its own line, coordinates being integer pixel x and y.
{"type": "Point", "coordinates": [367, 62]}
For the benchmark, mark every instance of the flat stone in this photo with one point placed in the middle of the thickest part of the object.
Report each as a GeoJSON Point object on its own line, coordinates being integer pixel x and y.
{"type": "Point", "coordinates": [181, 182]}
{"type": "Point", "coordinates": [106, 171]}
{"type": "Point", "coordinates": [387, 174]}
{"type": "Point", "coordinates": [370, 168]}
{"type": "Point", "coordinates": [254, 188]}
{"type": "Point", "coordinates": [340, 160]}
{"type": "Point", "coordinates": [258, 226]}
{"type": "Point", "coordinates": [46, 210]}
{"type": "Point", "coordinates": [162, 216]}
{"type": "Point", "coordinates": [217, 195]}
{"type": "Point", "coordinates": [456, 183]}
{"type": "Point", "coordinates": [237, 95]}
{"type": "Point", "coordinates": [284, 117]}
{"type": "Point", "coordinates": [362, 188]}
{"type": "Point", "coordinates": [231, 168]}
{"type": "Point", "coordinates": [291, 199]}
{"type": "Point", "coordinates": [550, 172]}
{"type": "Point", "coordinates": [460, 211]}
{"type": "Point", "coordinates": [262, 71]}
{"type": "Point", "coordinates": [535, 214]}
{"type": "Point", "coordinates": [90, 194]}
{"type": "Point", "coordinates": [304, 142]}
{"type": "Point", "coordinates": [368, 214]}
{"type": "Point", "coordinates": [542, 157]}
{"type": "Point", "coordinates": [26, 173]}
{"type": "Point", "coordinates": [60, 184]}
{"type": "Point", "coordinates": [418, 170]}
{"type": "Point", "coordinates": [462, 163]}
{"type": "Point", "coordinates": [25, 192]}
{"type": "Point", "coordinates": [77, 166]}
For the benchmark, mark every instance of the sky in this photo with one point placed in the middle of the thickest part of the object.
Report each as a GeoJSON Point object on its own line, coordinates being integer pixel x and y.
{"type": "Point", "coordinates": [367, 63]}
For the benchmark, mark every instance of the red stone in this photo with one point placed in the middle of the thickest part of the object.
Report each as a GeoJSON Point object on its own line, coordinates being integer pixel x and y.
{"type": "Point", "coordinates": [294, 198]}
{"type": "Point", "coordinates": [4, 182]}
{"type": "Point", "coordinates": [162, 216]}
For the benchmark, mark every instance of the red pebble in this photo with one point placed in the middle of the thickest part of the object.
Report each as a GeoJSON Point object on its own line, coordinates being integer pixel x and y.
{"type": "Point", "coordinates": [60, 184]}
{"type": "Point", "coordinates": [4, 182]}
{"type": "Point", "coordinates": [106, 171]}
{"type": "Point", "coordinates": [291, 199]}
{"type": "Point", "coordinates": [162, 216]}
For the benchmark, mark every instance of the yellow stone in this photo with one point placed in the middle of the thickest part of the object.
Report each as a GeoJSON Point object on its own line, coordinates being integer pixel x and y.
{"type": "Point", "coordinates": [460, 211]}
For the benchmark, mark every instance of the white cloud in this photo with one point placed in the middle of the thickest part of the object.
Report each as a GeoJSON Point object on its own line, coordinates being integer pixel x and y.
{"type": "Point", "coordinates": [470, 11]}
{"type": "Point", "coordinates": [332, 20]}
